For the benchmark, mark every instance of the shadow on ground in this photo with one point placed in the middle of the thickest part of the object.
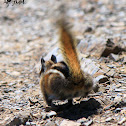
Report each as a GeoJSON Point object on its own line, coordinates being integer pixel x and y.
{"type": "Point", "coordinates": [77, 111]}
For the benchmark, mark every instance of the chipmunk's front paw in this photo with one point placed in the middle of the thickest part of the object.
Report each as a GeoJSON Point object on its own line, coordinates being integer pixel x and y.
{"type": "Point", "coordinates": [51, 106]}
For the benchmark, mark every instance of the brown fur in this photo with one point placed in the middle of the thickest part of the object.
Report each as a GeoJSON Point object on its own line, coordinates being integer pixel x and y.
{"type": "Point", "coordinates": [70, 54]}
{"type": "Point", "coordinates": [61, 80]}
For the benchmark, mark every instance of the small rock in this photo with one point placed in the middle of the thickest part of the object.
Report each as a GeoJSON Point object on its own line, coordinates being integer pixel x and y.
{"type": "Point", "coordinates": [88, 29]}
{"type": "Point", "coordinates": [109, 119]}
{"type": "Point", "coordinates": [88, 123]}
{"type": "Point", "coordinates": [7, 90]}
{"type": "Point", "coordinates": [50, 123]}
{"type": "Point", "coordinates": [117, 110]}
{"type": "Point", "coordinates": [89, 9]}
{"type": "Point", "coordinates": [19, 119]}
{"type": "Point", "coordinates": [119, 90]}
{"type": "Point", "coordinates": [37, 115]}
{"type": "Point", "coordinates": [51, 114]}
{"type": "Point", "coordinates": [102, 79]}
{"type": "Point", "coordinates": [109, 43]}
{"type": "Point", "coordinates": [82, 120]}
{"type": "Point", "coordinates": [69, 123]}
{"type": "Point", "coordinates": [111, 66]}
{"type": "Point", "coordinates": [124, 60]}
{"type": "Point", "coordinates": [123, 111]}
{"type": "Point", "coordinates": [112, 47]}
{"type": "Point", "coordinates": [114, 57]}
{"type": "Point", "coordinates": [108, 107]}
{"type": "Point", "coordinates": [44, 115]}
{"type": "Point", "coordinates": [3, 82]}
{"type": "Point", "coordinates": [122, 121]}
{"type": "Point", "coordinates": [1, 109]}
{"type": "Point", "coordinates": [15, 73]}
{"type": "Point", "coordinates": [117, 99]}
{"type": "Point", "coordinates": [123, 75]}
{"type": "Point", "coordinates": [102, 89]}
{"type": "Point", "coordinates": [121, 81]}
{"type": "Point", "coordinates": [5, 97]}
{"type": "Point", "coordinates": [106, 52]}
{"type": "Point", "coordinates": [111, 73]}
{"type": "Point", "coordinates": [124, 108]}
{"type": "Point", "coordinates": [30, 124]}
{"type": "Point", "coordinates": [11, 84]}
{"type": "Point", "coordinates": [42, 122]}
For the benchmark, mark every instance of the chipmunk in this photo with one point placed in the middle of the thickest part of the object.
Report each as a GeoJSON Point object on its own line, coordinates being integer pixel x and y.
{"type": "Point", "coordinates": [64, 80]}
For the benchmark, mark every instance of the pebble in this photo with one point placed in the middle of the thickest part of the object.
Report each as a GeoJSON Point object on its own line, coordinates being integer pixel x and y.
{"type": "Point", "coordinates": [109, 119]}
{"type": "Point", "coordinates": [69, 123]}
{"type": "Point", "coordinates": [117, 99]}
{"type": "Point", "coordinates": [82, 120]}
{"type": "Point", "coordinates": [11, 84]}
{"type": "Point", "coordinates": [111, 73]}
{"type": "Point", "coordinates": [88, 29]}
{"type": "Point", "coordinates": [122, 121]}
{"type": "Point", "coordinates": [124, 108]}
{"type": "Point", "coordinates": [15, 73]}
{"type": "Point", "coordinates": [18, 120]}
{"type": "Point", "coordinates": [89, 9]}
{"type": "Point", "coordinates": [88, 123]}
{"type": "Point", "coordinates": [44, 115]}
{"type": "Point", "coordinates": [37, 115]}
{"type": "Point", "coordinates": [117, 110]}
{"type": "Point", "coordinates": [102, 89]}
{"type": "Point", "coordinates": [30, 124]}
{"type": "Point", "coordinates": [3, 82]}
{"type": "Point", "coordinates": [7, 90]}
{"type": "Point", "coordinates": [123, 75]}
{"type": "Point", "coordinates": [114, 57]}
{"type": "Point", "coordinates": [51, 114]}
{"type": "Point", "coordinates": [1, 109]}
{"type": "Point", "coordinates": [119, 90]}
{"type": "Point", "coordinates": [108, 107]}
{"type": "Point", "coordinates": [111, 66]}
{"type": "Point", "coordinates": [50, 123]}
{"type": "Point", "coordinates": [5, 97]}
{"type": "Point", "coordinates": [102, 79]}
{"type": "Point", "coordinates": [123, 111]}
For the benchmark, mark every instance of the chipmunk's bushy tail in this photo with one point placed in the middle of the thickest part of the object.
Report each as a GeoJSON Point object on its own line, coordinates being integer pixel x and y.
{"type": "Point", "coordinates": [70, 53]}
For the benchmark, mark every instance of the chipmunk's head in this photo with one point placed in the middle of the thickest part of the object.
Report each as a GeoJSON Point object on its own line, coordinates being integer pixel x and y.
{"type": "Point", "coordinates": [46, 65]}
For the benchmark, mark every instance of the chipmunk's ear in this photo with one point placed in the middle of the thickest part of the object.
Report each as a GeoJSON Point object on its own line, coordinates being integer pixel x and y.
{"type": "Point", "coordinates": [42, 68]}
{"type": "Point", "coordinates": [42, 61]}
{"type": "Point", "coordinates": [53, 58]}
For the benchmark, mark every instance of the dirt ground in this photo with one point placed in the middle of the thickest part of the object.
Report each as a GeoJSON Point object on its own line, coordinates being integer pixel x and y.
{"type": "Point", "coordinates": [28, 31]}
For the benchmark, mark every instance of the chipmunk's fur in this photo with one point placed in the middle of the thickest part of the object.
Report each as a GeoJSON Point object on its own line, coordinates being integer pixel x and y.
{"type": "Point", "coordinates": [64, 80]}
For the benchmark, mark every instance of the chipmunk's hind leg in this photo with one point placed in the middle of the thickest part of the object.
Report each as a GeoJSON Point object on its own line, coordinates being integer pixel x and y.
{"type": "Point", "coordinates": [48, 101]}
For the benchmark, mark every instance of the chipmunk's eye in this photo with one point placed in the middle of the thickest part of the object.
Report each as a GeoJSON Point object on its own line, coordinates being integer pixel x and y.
{"type": "Point", "coordinates": [53, 58]}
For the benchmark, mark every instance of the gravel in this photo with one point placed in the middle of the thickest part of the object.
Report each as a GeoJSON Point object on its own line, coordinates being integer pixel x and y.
{"type": "Point", "coordinates": [29, 32]}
